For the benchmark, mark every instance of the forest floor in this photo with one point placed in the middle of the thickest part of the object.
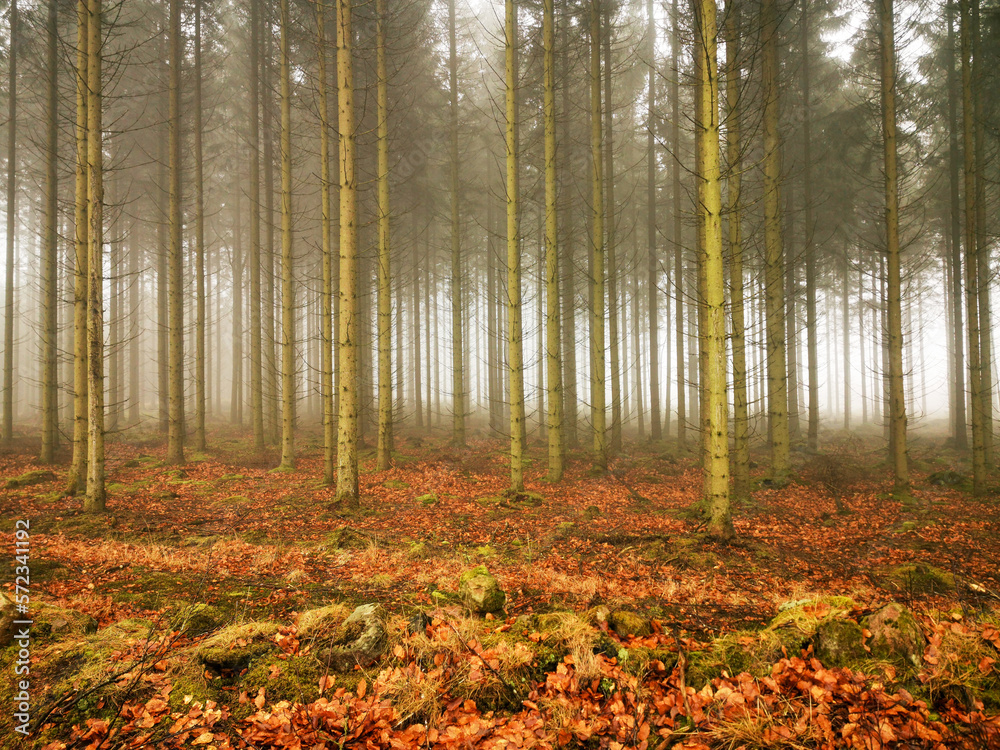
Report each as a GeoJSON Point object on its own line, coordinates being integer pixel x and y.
{"type": "Point", "coordinates": [623, 626]}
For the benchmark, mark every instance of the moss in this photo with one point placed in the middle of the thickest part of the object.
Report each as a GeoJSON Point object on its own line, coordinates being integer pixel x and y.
{"type": "Point", "coordinates": [626, 623]}
{"type": "Point", "coordinates": [395, 484]}
{"type": "Point", "coordinates": [197, 619]}
{"type": "Point", "coordinates": [428, 499]}
{"type": "Point", "coordinates": [235, 647]}
{"type": "Point", "coordinates": [30, 478]}
{"type": "Point", "coordinates": [896, 635]}
{"type": "Point", "coordinates": [839, 643]}
{"type": "Point", "coordinates": [743, 651]}
{"type": "Point", "coordinates": [638, 660]}
{"type": "Point", "coordinates": [917, 578]}
{"type": "Point", "coordinates": [321, 624]}
{"type": "Point", "coordinates": [591, 512]}
{"type": "Point", "coordinates": [805, 615]}
{"type": "Point", "coordinates": [345, 538]}
{"type": "Point", "coordinates": [294, 679]}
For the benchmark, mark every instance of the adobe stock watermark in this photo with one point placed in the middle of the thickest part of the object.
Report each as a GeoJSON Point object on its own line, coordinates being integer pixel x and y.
{"type": "Point", "coordinates": [21, 628]}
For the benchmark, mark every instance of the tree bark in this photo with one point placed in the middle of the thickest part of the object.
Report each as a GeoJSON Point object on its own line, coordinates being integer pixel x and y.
{"type": "Point", "coordinates": [384, 449]}
{"type": "Point", "coordinates": [457, 345]}
{"type": "Point", "coordinates": [347, 434]}
{"type": "Point", "coordinates": [287, 269]}
{"type": "Point", "coordinates": [201, 389]}
{"type": "Point", "coordinates": [50, 250]}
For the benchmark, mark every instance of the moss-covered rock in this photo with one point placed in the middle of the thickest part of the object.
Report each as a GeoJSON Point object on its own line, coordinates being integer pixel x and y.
{"type": "Point", "coordinates": [30, 478]}
{"type": "Point", "coordinates": [480, 591]}
{"type": "Point", "coordinates": [805, 615]}
{"type": "Point", "coordinates": [839, 643]}
{"type": "Point", "coordinates": [197, 619]}
{"type": "Point", "coordinates": [321, 624]}
{"type": "Point", "coordinates": [626, 623]}
{"type": "Point", "coordinates": [743, 651]}
{"type": "Point", "coordinates": [359, 641]}
{"type": "Point", "coordinates": [50, 621]}
{"type": "Point", "coordinates": [895, 635]}
{"type": "Point", "coordinates": [233, 648]}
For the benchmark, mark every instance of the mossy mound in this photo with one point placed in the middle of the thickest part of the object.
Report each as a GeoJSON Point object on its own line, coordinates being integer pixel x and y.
{"type": "Point", "coordinates": [480, 591]}
{"type": "Point", "coordinates": [839, 643]}
{"type": "Point", "coordinates": [895, 635]}
{"type": "Point", "coordinates": [197, 619]}
{"type": "Point", "coordinates": [232, 649]}
{"type": "Point", "coordinates": [30, 478]}
{"type": "Point", "coordinates": [805, 615]}
{"type": "Point", "coordinates": [625, 623]}
{"type": "Point", "coordinates": [754, 652]}
{"type": "Point", "coordinates": [918, 578]}
{"type": "Point", "coordinates": [317, 625]}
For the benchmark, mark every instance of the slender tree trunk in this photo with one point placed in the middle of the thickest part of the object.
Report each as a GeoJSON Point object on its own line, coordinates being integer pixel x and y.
{"type": "Point", "coordinates": [959, 430]}
{"type": "Point", "coordinates": [812, 324]}
{"type": "Point", "coordinates": [457, 345]}
{"type": "Point", "coordinates": [287, 270]}
{"type": "Point", "coordinates": [568, 286]}
{"type": "Point", "coordinates": [610, 249]}
{"type": "Point", "coordinates": [597, 345]}
{"type": "Point", "coordinates": [777, 382]}
{"type": "Point", "coordinates": [651, 256]}
{"type": "Point", "coordinates": [972, 280]}
{"type": "Point", "coordinates": [847, 340]}
{"type": "Point", "coordinates": [8, 330]}
{"type": "Point", "coordinates": [734, 146]}
{"type": "Point", "coordinates": [96, 495]}
{"type": "Point", "coordinates": [201, 391]}
{"type": "Point", "coordinates": [716, 421]}
{"type": "Point", "coordinates": [347, 436]}
{"type": "Point", "coordinates": [418, 405]}
{"type": "Point", "coordinates": [175, 278]}
{"type": "Point", "coordinates": [78, 468]}
{"type": "Point", "coordinates": [897, 396]}
{"type": "Point", "coordinates": [256, 332]}
{"type": "Point", "coordinates": [50, 250]}
{"type": "Point", "coordinates": [326, 222]}
{"type": "Point", "coordinates": [384, 451]}
{"type": "Point", "coordinates": [135, 330]}
{"type": "Point", "coordinates": [552, 322]}
{"type": "Point", "coordinates": [271, 400]}
{"type": "Point", "coordinates": [515, 355]}
{"type": "Point", "coordinates": [985, 273]}
{"type": "Point", "coordinates": [675, 145]}
{"type": "Point", "coordinates": [236, 391]}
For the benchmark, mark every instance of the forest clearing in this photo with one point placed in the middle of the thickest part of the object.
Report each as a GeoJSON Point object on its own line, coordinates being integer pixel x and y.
{"type": "Point", "coordinates": [215, 588]}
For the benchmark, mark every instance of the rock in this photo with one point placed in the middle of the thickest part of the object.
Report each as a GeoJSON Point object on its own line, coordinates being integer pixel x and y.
{"type": "Point", "coordinates": [626, 623]}
{"type": "Point", "coordinates": [418, 624]}
{"type": "Point", "coordinates": [837, 643]}
{"type": "Point", "coordinates": [895, 635]}
{"type": "Point", "coordinates": [480, 591]}
{"type": "Point", "coordinates": [7, 616]}
{"type": "Point", "coordinates": [234, 647]}
{"type": "Point", "coordinates": [320, 624]}
{"type": "Point", "coordinates": [360, 641]}
{"type": "Point", "coordinates": [59, 622]}
{"type": "Point", "coordinates": [197, 619]}
{"type": "Point", "coordinates": [948, 478]}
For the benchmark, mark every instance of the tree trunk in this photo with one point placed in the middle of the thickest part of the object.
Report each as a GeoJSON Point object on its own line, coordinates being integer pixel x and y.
{"type": "Point", "coordinates": [384, 451]}
{"type": "Point", "coordinates": [8, 330]}
{"type": "Point", "coordinates": [201, 393]}
{"type": "Point", "coordinates": [96, 496]}
{"type": "Point", "coordinates": [457, 345]}
{"type": "Point", "coordinates": [972, 280]}
{"type": "Point", "coordinates": [256, 332]}
{"type": "Point", "coordinates": [777, 383]}
{"type": "Point", "coordinates": [515, 355]}
{"type": "Point", "coordinates": [78, 468]}
{"type": "Point", "coordinates": [50, 250]}
{"type": "Point", "coordinates": [812, 324]}
{"type": "Point", "coordinates": [597, 345]}
{"type": "Point", "coordinates": [175, 278]}
{"type": "Point", "coordinates": [716, 457]}
{"type": "Point", "coordinates": [347, 435]}
{"type": "Point", "coordinates": [651, 257]}
{"type": "Point", "coordinates": [236, 391]}
{"type": "Point", "coordinates": [326, 222]}
{"type": "Point", "coordinates": [287, 271]}
{"type": "Point", "coordinates": [734, 146]}
{"type": "Point", "coordinates": [958, 415]}
{"type": "Point", "coordinates": [552, 322]}
{"type": "Point", "coordinates": [675, 145]}
{"type": "Point", "coordinates": [610, 249]}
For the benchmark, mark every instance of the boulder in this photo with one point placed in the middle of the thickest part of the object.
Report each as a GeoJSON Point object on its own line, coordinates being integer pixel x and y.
{"type": "Point", "coordinates": [360, 641]}
{"type": "Point", "coordinates": [626, 623]}
{"type": "Point", "coordinates": [480, 591]}
{"type": "Point", "coordinates": [895, 635]}
{"type": "Point", "coordinates": [838, 643]}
